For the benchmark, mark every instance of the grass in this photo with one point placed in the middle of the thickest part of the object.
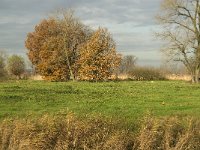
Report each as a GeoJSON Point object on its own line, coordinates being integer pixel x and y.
{"type": "Point", "coordinates": [107, 107]}
{"type": "Point", "coordinates": [72, 133]}
{"type": "Point", "coordinates": [128, 100]}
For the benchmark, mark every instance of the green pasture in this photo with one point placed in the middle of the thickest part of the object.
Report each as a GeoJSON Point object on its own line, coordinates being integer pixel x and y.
{"type": "Point", "coordinates": [125, 99]}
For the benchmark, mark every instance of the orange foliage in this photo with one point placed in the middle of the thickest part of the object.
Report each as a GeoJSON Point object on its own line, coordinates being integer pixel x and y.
{"type": "Point", "coordinates": [53, 47]}
{"type": "Point", "coordinates": [45, 51]}
{"type": "Point", "coordinates": [98, 57]}
{"type": "Point", "coordinates": [62, 48]}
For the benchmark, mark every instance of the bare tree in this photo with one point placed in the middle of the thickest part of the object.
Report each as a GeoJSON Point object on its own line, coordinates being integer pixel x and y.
{"type": "Point", "coordinates": [74, 33]}
{"type": "Point", "coordinates": [128, 63]}
{"type": "Point", "coordinates": [180, 20]}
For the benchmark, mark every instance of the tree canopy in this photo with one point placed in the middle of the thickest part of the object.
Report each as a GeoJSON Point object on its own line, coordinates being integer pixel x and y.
{"type": "Point", "coordinates": [57, 44]}
{"type": "Point", "coordinates": [16, 65]}
{"type": "Point", "coordinates": [98, 57]}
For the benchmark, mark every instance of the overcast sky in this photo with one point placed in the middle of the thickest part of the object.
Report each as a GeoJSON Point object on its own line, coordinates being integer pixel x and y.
{"type": "Point", "coordinates": [131, 23]}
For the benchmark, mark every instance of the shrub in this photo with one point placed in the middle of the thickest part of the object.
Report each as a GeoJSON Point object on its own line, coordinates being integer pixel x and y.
{"type": "Point", "coordinates": [146, 73]}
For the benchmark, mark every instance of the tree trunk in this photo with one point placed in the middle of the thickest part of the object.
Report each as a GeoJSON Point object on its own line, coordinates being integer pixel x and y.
{"type": "Point", "coordinates": [68, 61]}
{"type": "Point", "coordinates": [197, 75]}
{"type": "Point", "coordinates": [70, 70]}
{"type": "Point", "coordinates": [193, 79]}
{"type": "Point", "coordinates": [18, 77]}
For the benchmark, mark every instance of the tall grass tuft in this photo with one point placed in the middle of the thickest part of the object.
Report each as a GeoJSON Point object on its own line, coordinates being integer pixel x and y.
{"type": "Point", "coordinates": [169, 134]}
{"type": "Point", "coordinates": [63, 133]}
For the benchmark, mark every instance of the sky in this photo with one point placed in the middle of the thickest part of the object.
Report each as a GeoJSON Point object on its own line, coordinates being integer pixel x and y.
{"type": "Point", "coordinates": [131, 23]}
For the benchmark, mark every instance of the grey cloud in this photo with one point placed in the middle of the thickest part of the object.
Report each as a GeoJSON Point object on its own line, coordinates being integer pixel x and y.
{"type": "Point", "coordinates": [127, 20]}
{"type": "Point", "coordinates": [121, 11]}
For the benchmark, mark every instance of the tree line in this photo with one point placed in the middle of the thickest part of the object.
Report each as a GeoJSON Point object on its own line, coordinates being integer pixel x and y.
{"type": "Point", "coordinates": [62, 47]}
{"type": "Point", "coordinates": [15, 66]}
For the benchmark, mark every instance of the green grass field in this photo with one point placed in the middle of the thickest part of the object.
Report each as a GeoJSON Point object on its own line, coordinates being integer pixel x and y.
{"type": "Point", "coordinates": [126, 99]}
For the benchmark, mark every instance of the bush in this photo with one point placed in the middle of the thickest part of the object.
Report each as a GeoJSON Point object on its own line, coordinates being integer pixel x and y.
{"type": "Point", "coordinates": [146, 73]}
{"type": "Point", "coordinates": [97, 133]}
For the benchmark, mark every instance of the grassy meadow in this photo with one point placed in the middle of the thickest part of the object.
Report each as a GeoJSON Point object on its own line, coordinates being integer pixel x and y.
{"type": "Point", "coordinates": [127, 100]}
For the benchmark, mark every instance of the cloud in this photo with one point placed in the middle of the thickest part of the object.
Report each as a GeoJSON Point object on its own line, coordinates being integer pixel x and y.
{"type": "Point", "coordinates": [130, 21]}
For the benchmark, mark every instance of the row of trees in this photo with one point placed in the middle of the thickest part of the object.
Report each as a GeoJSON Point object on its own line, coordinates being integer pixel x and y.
{"type": "Point", "coordinates": [62, 48]}
{"type": "Point", "coordinates": [13, 65]}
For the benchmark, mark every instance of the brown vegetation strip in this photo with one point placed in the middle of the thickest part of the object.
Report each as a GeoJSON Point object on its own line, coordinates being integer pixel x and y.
{"type": "Point", "coordinates": [62, 133]}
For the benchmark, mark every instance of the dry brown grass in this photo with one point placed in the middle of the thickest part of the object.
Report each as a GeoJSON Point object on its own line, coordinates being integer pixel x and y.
{"type": "Point", "coordinates": [178, 77]}
{"type": "Point", "coordinates": [169, 134]}
{"type": "Point", "coordinates": [62, 133]}
{"type": "Point", "coordinates": [167, 76]}
{"type": "Point", "coordinates": [36, 77]}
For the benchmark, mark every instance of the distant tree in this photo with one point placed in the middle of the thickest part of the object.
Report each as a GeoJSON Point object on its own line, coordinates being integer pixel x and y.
{"type": "Point", "coordinates": [180, 20]}
{"type": "Point", "coordinates": [53, 46]}
{"type": "Point", "coordinates": [127, 64]}
{"type": "Point", "coordinates": [2, 65]}
{"type": "Point", "coordinates": [98, 57]}
{"type": "Point", "coordinates": [16, 65]}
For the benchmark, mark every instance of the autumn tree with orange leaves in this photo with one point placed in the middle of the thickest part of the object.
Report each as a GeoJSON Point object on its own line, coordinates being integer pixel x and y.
{"type": "Point", "coordinates": [98, 57]}
{"type": "Point", "coordinates": [45, 51]}
{"type": "Point", "coordinates": [63, 48]}
{"type": "Point", "coordinates": [53, 46]}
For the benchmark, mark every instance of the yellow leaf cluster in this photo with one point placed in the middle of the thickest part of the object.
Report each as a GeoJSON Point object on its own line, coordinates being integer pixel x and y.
{"type": "Point", "coordinates": [98, 57]}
